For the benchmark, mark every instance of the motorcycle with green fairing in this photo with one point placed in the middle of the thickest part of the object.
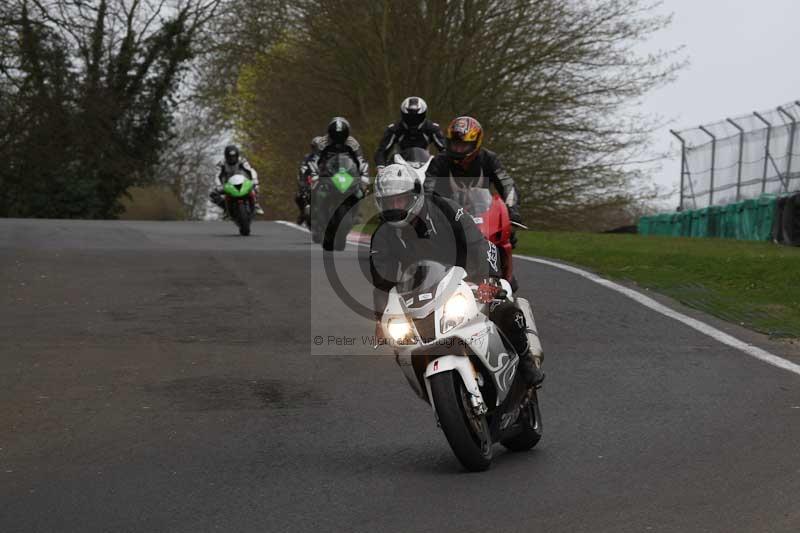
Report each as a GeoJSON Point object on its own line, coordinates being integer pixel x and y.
{"type": "Point", "coordinates": [240, 201]}
{"type": "Point", "coordinates": [335, 194]}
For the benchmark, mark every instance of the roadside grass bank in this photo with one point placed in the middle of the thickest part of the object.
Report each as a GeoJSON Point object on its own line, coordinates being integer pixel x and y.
{"type": "Point", "coordinates": [153, 202]}
{"type": "Point", "coordinates": [754, 284]}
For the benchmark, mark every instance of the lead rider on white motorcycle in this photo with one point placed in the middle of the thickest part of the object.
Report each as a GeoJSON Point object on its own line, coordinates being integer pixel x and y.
{"type": "Point", "coordinates": [415, 226]}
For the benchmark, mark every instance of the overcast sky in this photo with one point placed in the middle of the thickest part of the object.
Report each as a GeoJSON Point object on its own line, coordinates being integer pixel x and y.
{"type": "Point", "coordinates": [744, 57]}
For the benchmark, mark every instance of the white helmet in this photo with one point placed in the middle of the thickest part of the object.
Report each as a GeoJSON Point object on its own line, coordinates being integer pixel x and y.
{"type": "Point", "coordinates": [413, 111]}
{"type": "Point", "coordinates": [398, 194]}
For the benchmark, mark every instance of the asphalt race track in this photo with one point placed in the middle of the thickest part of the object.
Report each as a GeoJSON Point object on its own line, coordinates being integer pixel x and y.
{"type": "Point", "coordinates": [164, 377]}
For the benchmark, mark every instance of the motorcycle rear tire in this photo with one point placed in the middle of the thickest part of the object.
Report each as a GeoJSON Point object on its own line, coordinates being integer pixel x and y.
{"type": "Point", "coordinates": [244, 219]}
{"type": "Point", "coordinates": [473, 450]}
{"type": "Point", "coordinates": [531, 432]}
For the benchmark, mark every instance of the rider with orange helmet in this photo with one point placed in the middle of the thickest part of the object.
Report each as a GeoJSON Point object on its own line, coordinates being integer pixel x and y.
{"type": "Point", "coordinates": [465, 163]}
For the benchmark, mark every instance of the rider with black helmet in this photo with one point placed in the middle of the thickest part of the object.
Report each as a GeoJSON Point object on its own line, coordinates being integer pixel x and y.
{"type": "Point", "coordinates": [233, 163]}
{"type": "Point", "coordinates": [337, 140]}
{"type": "Point", "coordinates": [413, 130]}
{"type": "Point", "coordinates": [417, 226]}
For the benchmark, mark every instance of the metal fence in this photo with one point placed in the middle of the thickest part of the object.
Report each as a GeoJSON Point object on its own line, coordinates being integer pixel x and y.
{"type": "Point", "coordinates": [740, 158]}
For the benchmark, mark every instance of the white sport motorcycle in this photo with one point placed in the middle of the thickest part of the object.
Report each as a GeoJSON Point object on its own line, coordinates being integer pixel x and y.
{"type": "Point", "coordinates": [458, 361]}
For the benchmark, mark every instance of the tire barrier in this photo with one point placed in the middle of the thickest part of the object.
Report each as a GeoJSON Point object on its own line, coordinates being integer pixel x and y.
{"type": "Point", "coordinates": [758, 219]}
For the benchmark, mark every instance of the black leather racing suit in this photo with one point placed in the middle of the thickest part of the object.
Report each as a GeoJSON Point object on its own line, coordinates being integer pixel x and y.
{"type": "Point", "coordinates": [444, 233]}
{"type": "Point", "coordinates": [400, 135]}
{"type": "Point", "coordinates": [322, 146]}
{"type": "Point", "coordinates": [242, 167]}
{"type": "Point", "coordinates": [446, 175]}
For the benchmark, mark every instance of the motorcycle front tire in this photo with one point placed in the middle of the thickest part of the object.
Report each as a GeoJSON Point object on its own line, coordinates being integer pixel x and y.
{"type": "Point", "coordinates": [243, 216]}
{"type": "Point", "coordinates": [345, 225]}
{"type": "Point", "coordinates": [329, 239]}
{"type": "Point", "coordinates": [473, 449]}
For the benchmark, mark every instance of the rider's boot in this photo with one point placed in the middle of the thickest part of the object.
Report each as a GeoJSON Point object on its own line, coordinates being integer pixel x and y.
{"type": "Point", "coordinates": [529, 367]}
{"type": "Point", "coordinates": [530, 363]}
{"type": "Point", "coordinates": [256, 193]}
{"type": "Point", "coordinates": [305, 216]}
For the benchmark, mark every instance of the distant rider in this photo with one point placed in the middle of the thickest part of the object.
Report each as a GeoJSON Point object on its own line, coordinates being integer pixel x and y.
{"type": "Point", "coordinates": [413, 130]}
{"type": "Point", "coordinates": [464, 163]}
{"type": "Point", "coordinates": [336, 141]}
{"type": "Point", "coordinates": [415, 226]}
{"type": "Point", "coordinates": [233, 163]}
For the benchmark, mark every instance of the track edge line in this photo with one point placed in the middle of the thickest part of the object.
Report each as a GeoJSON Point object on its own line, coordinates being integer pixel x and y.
{"type": "Point", "coordinates": [697, 325]}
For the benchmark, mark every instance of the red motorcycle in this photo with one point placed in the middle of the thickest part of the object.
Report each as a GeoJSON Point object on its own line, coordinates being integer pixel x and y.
{"type": "Point", "coordinates": [491, 215]}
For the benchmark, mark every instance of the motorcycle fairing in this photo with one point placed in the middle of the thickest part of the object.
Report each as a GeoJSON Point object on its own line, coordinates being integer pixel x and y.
{"type": "Point", "coordinates": [342, 180]}
{"type": "Point", "coordinates": [238, 186]}
{"type": "Point", "coordinates": [479, 334]}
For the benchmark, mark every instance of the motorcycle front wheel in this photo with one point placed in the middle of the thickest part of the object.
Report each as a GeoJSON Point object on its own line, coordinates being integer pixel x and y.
{"type": "Point", "coordinates": [468, 434]}
{"type": "Point", "coordinates": [244, 219]}
{"type": "Point", "coordinates": [345, 224]}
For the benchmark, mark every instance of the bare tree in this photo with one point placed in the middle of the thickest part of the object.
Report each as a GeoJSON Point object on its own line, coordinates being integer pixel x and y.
{"type": "Point", "coordinates": [188, 161]}
{"type": "Point", "coordinates": [550, 80]}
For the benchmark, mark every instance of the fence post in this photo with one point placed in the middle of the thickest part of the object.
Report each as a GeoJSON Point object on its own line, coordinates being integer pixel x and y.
{"type": "Point", "coordinates": [683, 165]}
{"type": "Point", "coordinates": [741, 150]}
{"type": "Point", "coordinates": [766, 150]}
{"type": "Point", "coordinates": [789, 178]}
{"type": "Point", "coordinates": [713, 162]}
{"type": "Point", "coordinates": [790, 147]}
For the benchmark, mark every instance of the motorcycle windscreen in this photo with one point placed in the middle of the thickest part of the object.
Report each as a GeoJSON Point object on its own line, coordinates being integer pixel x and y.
{"type": "Point", "coordinates": [421, 277]}
{"type": "Point", "coordinates": [341, 169]}
{"type": "Point", "coordinates": [475, 200]}
{"type": "Point", "coordinates": [415, 156]}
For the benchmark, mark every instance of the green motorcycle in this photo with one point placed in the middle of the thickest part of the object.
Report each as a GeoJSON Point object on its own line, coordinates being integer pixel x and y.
{"type": "Point", "coordinates": [240, 201]}
{"type": "Point", "coordinates": [334, 201]}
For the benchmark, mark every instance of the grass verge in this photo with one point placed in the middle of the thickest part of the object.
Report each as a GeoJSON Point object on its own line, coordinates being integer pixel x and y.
{"type": "Point", "coordinates": [153, 202]}
{"type": "Point", "coordinates": [753, 284]}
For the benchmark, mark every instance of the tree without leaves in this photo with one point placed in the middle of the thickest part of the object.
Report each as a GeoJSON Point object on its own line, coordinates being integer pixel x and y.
{"type": "Point", "coordinates": [550, 80]}
{"type": "Point", "coordinates": [188, 160]}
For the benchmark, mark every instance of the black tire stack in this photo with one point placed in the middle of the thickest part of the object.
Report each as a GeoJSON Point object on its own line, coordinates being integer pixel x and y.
{"type": "Point", "coordinates": [786, 226]}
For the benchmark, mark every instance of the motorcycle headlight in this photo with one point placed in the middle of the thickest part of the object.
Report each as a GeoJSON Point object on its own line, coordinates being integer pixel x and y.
{"type": "Point", "coordinates": [455, 311]}
{"type": "Point", "coordinates": [399, 329]}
